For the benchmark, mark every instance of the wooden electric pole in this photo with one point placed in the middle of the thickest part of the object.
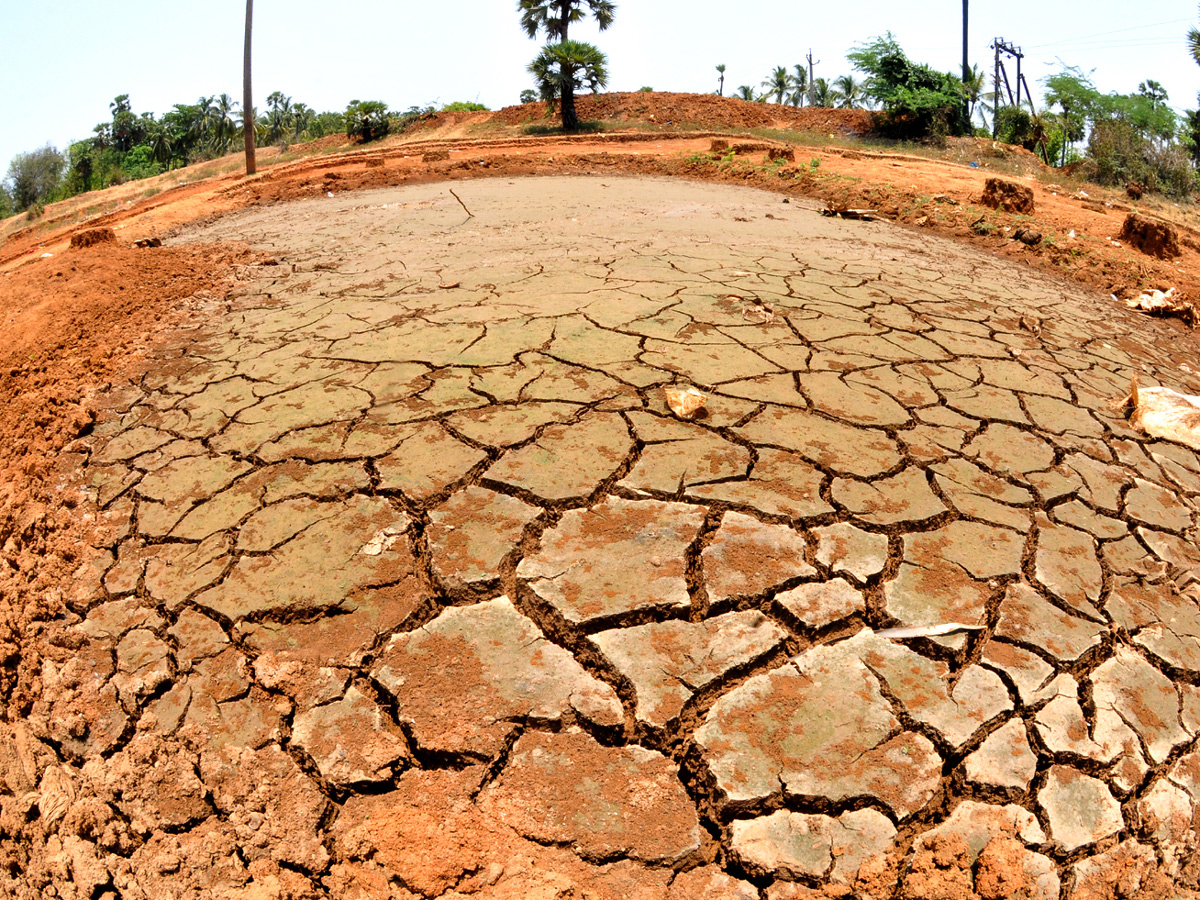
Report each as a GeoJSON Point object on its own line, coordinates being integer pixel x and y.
{"type": "Point", "coordinates": [247, 95]}
{"type": "Point", "coordinates": [812, 85]}
{"type": "Point", "coordinates": [1000, 45]}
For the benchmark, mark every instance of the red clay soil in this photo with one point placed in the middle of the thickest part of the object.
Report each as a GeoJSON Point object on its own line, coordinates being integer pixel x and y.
{"type": "Point", "coordinates": [78, 321]}
{"type": "Point", "coordinates": [72, 324]}
{"type": "Point", "coordinates": [697, 112]}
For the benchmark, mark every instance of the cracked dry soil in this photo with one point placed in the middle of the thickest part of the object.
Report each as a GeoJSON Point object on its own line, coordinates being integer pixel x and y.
{"type": "Point", "coordinates": [404, 582]}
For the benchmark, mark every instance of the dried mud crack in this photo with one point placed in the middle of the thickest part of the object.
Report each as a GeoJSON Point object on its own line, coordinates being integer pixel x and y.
{"type": "Point", "coordinates": [403, 581]}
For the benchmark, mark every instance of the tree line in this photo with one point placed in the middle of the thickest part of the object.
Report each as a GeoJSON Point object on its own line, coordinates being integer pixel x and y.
{"type": "Point", "coordinates": [1131, 139]}
{"type": "Point", "coordinates": [794, 88]}
{"type": "Point", "coordinates": [128, 146]}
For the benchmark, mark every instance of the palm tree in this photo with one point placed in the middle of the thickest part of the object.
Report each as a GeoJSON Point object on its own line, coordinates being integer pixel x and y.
{"type": "Point", "coordinates": [1194, 43]}
{"type": "Point", "coordinates": [1042, 123]}
{"type": "Point", "coordinates": [279, 116]}
{"type": "Point", "coordinates": [975, 85]}
{"type": "Point", "coordinates": [223, 125]}
{"type": "Point", "coordinates": [821, 92]}
{"type": "Point", "coordinates": [560, 69]}
{"type": "Point", "coordinates": [777, 83]}
{"type": "Point", "coordinates": [721, 83]}
{"type": "Point", "coordinates": [798, 82]}
{"type": "Point", "coordinates": [202, 122]}
{"type": "Point", "coordinates": [848, 92]}
{"type": "Point", "coordinates": [302, 117]}
{"type": "Point", "coordinates": [745, 92]}
{"type": "Point", "coordinates": [247, 95]}
{"type": "Point", "coordinates": [554, 18]}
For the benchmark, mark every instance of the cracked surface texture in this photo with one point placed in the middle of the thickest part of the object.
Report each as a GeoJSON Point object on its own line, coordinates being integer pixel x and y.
{"type": "Point", "coordinates": [405, 581]}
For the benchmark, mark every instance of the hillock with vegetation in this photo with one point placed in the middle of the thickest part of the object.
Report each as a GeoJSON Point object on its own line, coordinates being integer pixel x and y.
{"type": "Point", "coordinates": [1133, 141]}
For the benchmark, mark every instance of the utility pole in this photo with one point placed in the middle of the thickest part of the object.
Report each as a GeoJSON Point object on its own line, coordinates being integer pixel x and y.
{"type": "Point", "coordinates": [966, 68]}
{"type": "Point", "coordinates": [1000, 45]}
{"type": "Point", "coordinates": [247, 95]}
{"type": "Point", "coordinates": [995, 86]}
{"type": "Point", "coordinates": [812, 85]}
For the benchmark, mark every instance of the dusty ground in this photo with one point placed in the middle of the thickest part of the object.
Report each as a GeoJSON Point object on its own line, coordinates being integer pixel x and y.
{"type": "Point", "coordinates": [389, 573]}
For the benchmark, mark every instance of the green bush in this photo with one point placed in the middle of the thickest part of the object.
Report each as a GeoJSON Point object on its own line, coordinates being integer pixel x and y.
{"type": "Point", "coordinates": [326, 123]}
{"type": "Point", "coordinates": [464, 106]}
{"type": "Point", "coordinates": [367, 120]}
{"type": "Point", "coordinates": [1014, 125]}
{"type": "Point", "coordinates": [140, 163]}
{"type": "Point", "coordinates": [36, 178]}
{"type": "Point", "coordinates": [529, 96]}
{"type": "Point", "coordinates": [1119, 155]}
{"type": "Point", "coordinates": [1176, 175]}
{"type": "Point", "coordinates": [918, 101]}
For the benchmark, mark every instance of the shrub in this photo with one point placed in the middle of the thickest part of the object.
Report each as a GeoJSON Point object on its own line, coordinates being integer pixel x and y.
{"type": "Point", "coordinates": [1173, 166]}
{"type": "Point", "coordinates": [918, 101]}
{"type": "Point", "coordinates": [1118, 155]}
{"type": "Point", "coordinates": [139, 163]}
{"type": "Point", "coordinates": [1014, 125]}
{"type": "Point", "coordinates": [529, 96]}
{"type": "Point", "coordinates": [367, 120]}
{"type": "Point", "coordinates": [35, 178]}
{"type": "Point", "coordinates": [325, 123]}
{"type": "Point", "coordinates": [464, 106]}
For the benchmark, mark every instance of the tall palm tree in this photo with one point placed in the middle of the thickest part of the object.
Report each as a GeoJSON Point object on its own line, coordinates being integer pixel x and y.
{"type": "Point", "coordinates": [1042, 122]}
{"type": "Point", "coordinates": [554, 18]}
{"type": "Point", "coordinates": [302, 117]}
{"type": "Point", "coordinates": [279, 115]}
{"type": "Point", "coordinates": [777, 83]}
{"type": "Point", "coordinates": [721, 83]}
{"type": "Point", "coordinates": [798, 82]}
{"type": "Point", "coordinates": [975, 84]}
{"type": "Point", "coordinates": [562, 68]}
{"type": "Point", "coordinates": [1194, 43]}
{"type": "Point", "coordinates": [247, 95]}
{"type": "Point", "coordinates": [821, 92]}
{"type": "Point", "coordinates": [223, 125]}
{"type": "Point", "coordinates": [161, 145]}
{"type": "Point", "coordinates": [847, 92]}
{"type": "Point", "coordinates": [201, 123]}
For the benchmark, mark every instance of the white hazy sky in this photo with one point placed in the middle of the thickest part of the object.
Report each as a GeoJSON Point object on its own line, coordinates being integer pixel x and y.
{"type": "Point", "coordinates": [65, 60]}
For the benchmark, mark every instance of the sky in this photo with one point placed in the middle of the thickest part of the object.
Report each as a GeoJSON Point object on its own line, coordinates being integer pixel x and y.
{"type": "Point", "coordinates": [65, 60]}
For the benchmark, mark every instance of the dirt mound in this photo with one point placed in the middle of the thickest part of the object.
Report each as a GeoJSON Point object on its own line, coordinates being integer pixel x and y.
{"type": "Point", "coordinates": [701, 111]}
{"type": "Point", "coordinates": [1004, 195]}
{"type": "Point", "coordinates": [329, 142]}
{"type": "Point", "coordinates": [92, 237]}
{"type": "Point", "coordinates": [977, 150]}
{"type": "Point", "coordinates": [1152, 238]}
